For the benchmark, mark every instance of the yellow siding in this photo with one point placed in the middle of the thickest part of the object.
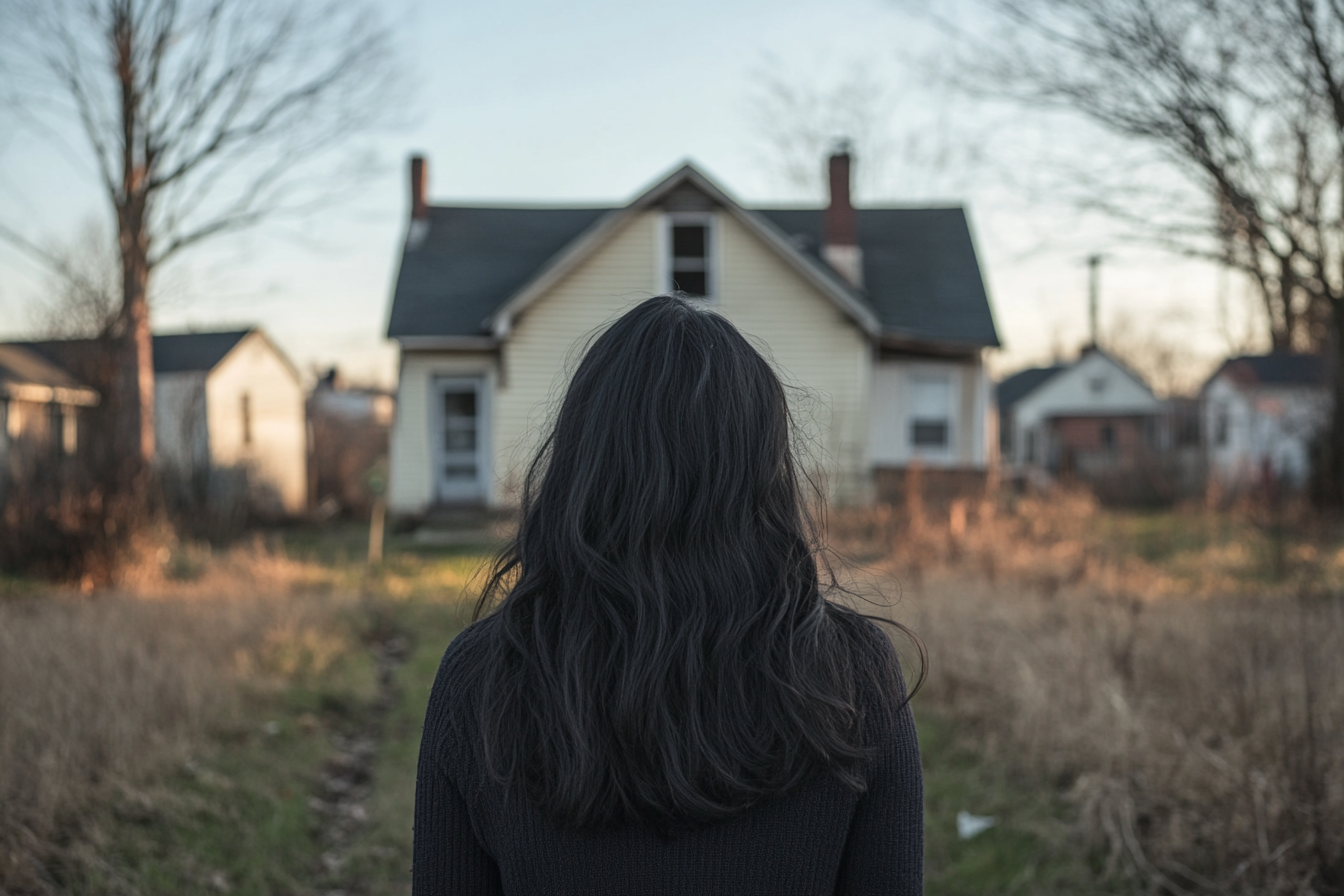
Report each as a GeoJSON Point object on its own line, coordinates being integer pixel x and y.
{"type": "Point", "coordinates": [411, 474]}
{"type": "Point", "coordinates": [277, 454]}
{"type": "Point", "coordinates": [813, 344]}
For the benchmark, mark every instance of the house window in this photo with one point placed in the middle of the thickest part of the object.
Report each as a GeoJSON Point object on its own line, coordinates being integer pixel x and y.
{"type": "Point", "coordinates": [247, 419]}
{"type": "Point", "coordinates": [930, 413]}
{"type": "Point", "coordinates": [1097, 385]}
{"type": "Point", "coordinates": [1220, 425]}
{"type": "Point", "coordinates": [1107, 436]}
{"type": "Point", "coordinates": [690, 255]}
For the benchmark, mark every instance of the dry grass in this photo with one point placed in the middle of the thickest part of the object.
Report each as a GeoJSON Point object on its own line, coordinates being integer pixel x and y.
{"type": "Point", "coordinates": [1192, 707]}
{"type": "Point", "coordinates": [98, 692]}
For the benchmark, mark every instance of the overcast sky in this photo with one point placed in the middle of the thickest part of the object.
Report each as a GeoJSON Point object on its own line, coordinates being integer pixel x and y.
{"type": "Point", "coordinates": [592, 101]}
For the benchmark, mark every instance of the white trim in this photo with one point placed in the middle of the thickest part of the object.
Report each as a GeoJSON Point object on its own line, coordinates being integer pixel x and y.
{"type": "Point", "coordinates": [713, 252]}
{"type": "Point", "coordinates": [485, 458]}
{"type": "Point", "coordinates": [948, 375]}
{"type": "Point", "coordinates": [39, 394]}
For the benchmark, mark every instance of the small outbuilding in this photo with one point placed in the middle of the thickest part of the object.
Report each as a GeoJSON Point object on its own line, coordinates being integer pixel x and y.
{"type": "Point", "coordinates": [233, 401]}
{"type": "Point", "coordinates": [1261, 414]}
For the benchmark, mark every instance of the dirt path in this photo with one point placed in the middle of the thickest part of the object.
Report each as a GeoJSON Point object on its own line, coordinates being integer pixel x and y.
{"type": "Point", "coordinates": [346, 780]}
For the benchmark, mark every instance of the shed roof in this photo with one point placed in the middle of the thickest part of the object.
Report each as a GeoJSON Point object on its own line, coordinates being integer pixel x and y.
{"type": "Point", "coordinates": [1276, 369]}
{"type": "Point", "coordinates": [182, 352]}
{"type": "Point", "coordinates": [922, 279]}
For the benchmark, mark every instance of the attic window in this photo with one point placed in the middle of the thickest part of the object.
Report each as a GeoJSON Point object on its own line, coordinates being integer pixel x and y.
{"type": "Point", "coordinates": [690, 268]}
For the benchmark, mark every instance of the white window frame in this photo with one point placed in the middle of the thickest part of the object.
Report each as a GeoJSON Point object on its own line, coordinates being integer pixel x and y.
{"type": "Point", "coordinates": [708, 220]}
{"type": "Point", "coordinates": [948, 377]}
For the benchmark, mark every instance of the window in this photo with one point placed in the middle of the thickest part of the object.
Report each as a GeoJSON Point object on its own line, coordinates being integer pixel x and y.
{"type": "Point", "coordinates": [1107, 436]}
{"type": "Point", "coordinates": [1097, 385]}
{"type": "Point", "coordinates": [1220, 425]}
{"type": "Point", "coordinates": [247, 419]}
{"type": "Point", "coordinates": [930, 413]}
{"type": "Point", "coordinates": [690, 262]}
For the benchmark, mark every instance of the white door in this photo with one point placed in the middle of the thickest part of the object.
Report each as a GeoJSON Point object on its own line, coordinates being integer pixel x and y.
{"type": "Point", "coordinates": [460, 464]}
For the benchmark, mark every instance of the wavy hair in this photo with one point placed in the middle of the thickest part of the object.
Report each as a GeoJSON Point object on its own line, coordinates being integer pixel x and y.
{"type": "Point", "coordinates": [663, 650]}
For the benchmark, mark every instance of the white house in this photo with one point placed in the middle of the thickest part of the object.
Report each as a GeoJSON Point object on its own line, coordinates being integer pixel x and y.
{"type": "Point", "coordinates": [40, 408]}
{"type": "Point", "coordinates": [232, 400]}
{"type": "Point", "coordinates": [1089, 417]}
{"type": "Point", "coordinates": [1261, 414]}
{"type": "Point", "coordinates": [879, 315]}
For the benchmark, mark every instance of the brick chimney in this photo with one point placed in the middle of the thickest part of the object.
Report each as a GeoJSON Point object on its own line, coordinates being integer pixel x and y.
{"type": "Point", "coordinates": [840, 241]}
{"type": "Point", "coordinates": [419, 174]}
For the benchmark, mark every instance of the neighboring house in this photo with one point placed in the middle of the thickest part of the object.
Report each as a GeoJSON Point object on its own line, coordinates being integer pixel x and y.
{"type": "Point", "coordinates": [880, 315]}
{"type": "Point", "coordinates": [1090, 418]}
{"type": "Point", "coordinates": [40, 408]}
{"type": "Point", "coordinates": [1261, 414]}
{"type": "Point", "coordinates": [350, 430]}
{"type": "Point", "coordinates": [232, 400]}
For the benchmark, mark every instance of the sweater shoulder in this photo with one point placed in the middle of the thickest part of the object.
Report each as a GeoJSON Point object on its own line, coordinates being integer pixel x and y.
{"type": "Point", "coordinates": [450, 718]}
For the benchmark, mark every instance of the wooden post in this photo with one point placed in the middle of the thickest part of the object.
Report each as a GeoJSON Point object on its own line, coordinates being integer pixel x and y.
{"type": "Point", "coordinates": [376, 520]}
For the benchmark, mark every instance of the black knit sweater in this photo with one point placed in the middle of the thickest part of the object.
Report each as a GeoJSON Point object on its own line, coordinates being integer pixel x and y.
{"type": "Point", "coordinates": [821, 838]}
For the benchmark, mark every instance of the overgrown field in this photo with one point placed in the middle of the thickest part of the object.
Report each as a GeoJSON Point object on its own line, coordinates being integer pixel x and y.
{"type": "Point", "coordinates": [1179, 678]}
{"type": "Point", "coordinates": [1144, 704]}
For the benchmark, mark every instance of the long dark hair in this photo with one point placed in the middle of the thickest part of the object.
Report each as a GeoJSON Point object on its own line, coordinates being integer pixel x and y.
{"type": "Point", "coordinates": [663, 651]}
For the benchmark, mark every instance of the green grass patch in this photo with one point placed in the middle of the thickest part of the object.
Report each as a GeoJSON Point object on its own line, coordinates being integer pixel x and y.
{"type": "Point", "coordinates": [234, 817]}
{"type": "Point", "coordinates": [1029, 849]}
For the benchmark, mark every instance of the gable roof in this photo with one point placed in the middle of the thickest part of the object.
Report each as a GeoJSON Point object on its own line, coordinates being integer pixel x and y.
{"type": "Point", "coordinates": [173, 352]}
{"type": "Point", "coordinates": [1276, 369]}
{"type": "Point", "coordinates": [472, 268]}
{"type": "Point", "coordinates": [27, 376]}
{"type": "Point", "coordinates": [184, 352]}
{"type": "Point", "coordinates": [471, 259]}
{"type": "Point", "coordinates": [1016, 387]}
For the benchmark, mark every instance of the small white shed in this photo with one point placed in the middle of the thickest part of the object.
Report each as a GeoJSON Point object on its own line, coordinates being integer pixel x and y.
{"type": "Point", "coordinates": [232, 400]}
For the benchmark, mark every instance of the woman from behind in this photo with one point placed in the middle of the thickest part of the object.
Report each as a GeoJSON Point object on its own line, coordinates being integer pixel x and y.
{"type": "Point", "coordinates": [661, 698]}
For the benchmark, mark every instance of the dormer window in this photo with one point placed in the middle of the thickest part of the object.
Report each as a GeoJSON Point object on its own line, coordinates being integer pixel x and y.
{"type": "Point", "coordinates": [691, 255]}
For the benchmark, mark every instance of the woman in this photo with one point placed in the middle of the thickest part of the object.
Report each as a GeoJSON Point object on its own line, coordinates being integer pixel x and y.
{"type": "Point", "coordinates": [664, 701]}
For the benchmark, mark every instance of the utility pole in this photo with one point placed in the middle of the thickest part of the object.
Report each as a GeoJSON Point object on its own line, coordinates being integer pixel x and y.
{"type": "Point", "coordinates": [1093, 287]}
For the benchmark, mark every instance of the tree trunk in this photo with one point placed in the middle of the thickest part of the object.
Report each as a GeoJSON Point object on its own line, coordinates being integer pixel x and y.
{"type": "Point", "coordinates": [135, 425]}
{"type": "Point", "coordinates": [1330, 479]}
{"type": "Point", "coordinates": [135, 412]}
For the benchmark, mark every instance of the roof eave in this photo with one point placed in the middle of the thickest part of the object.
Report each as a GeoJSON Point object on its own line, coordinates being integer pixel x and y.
{"type": "Point", "coordinates": [901, 341]}
{"type": "Point", "coordinates": [447, 343]}
{"type": "Point", "coordinates": [40, 393]}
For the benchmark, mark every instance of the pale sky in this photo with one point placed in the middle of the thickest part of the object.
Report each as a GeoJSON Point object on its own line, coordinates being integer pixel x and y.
{"type": "Point", "coordinates": [592, 101]}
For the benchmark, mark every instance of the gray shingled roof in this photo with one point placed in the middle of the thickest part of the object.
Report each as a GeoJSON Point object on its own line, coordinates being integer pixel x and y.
{"type": "Point", "coordinates": [921, 275]}
{"type": "Point", "coordinates": [472, 259]}
{"type": "Point", "coordinates": [1016, 387]}
{"type": "Point", "coordinates": [1277, 369]}
{"type": "Point", "coordinates": [181, 352]}
{"type": "Point", "coordinates": [920, 272]}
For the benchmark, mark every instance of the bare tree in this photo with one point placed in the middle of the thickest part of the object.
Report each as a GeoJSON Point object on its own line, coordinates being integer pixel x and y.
{"type": "Point", "coordinates": [204, 117]}
{"type": "Point", "coordinates": [1239, 105]}
{"type": "Point", "coordinates": [83, 286]}
{"type": "Point", "coordinates": [798, 120]}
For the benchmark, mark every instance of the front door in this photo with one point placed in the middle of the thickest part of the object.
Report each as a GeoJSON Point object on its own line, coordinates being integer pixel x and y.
{"type": "Point", "coordinates": [460, 465]}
